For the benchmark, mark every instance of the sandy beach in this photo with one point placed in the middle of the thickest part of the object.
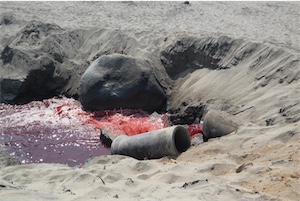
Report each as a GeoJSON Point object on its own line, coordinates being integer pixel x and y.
{"type": "Point", "coordinates": [253, 74]}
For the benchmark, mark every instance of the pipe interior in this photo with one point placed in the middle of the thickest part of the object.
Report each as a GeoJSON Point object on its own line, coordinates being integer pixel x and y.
{"type": "Point", "coordinates": [182, 139]}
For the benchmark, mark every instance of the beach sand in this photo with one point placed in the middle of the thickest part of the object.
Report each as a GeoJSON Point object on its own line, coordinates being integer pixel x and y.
{"type": "Point", "coordinates": [260, 161]}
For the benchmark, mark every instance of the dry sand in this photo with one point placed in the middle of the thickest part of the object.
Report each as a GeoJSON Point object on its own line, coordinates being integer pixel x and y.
{"type": "Point", "coordinates": [261, 161]}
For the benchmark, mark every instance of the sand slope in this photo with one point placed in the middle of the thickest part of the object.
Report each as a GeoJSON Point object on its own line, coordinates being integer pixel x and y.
{"type": "Point", "coordinates": [129, 179]}
{"type": "Point", "coordinates": [260, 85]}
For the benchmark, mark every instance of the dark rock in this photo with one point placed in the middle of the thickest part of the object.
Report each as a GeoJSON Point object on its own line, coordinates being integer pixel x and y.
{"type": "Point", "coordinates": [192, 114]}
{"type": "Point", "coordinates": [10, 89]}
{"type": "Point", "coordinates": [41, 83]}
{"type": "Point", "coordinates": [34, 84]}
{"type": "Point", "coordinates": [58, 57]}
{"type": "Point", "coordinates": [270, 122]}
{"type": "Point", "coordinates": [32, 67]}
{"type": "Point", "coordinates": [6, 55]}
{"type": "Point", "coordinates": [117, 81]}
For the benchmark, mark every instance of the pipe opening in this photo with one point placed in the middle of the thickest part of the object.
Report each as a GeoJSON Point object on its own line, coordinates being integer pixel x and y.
{"type": "Point", "coordinates": [181, 139]}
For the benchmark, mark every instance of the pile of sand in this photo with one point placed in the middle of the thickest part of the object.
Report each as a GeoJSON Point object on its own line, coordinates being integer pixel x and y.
{"type": "Point", "coordinates": [256, 78]}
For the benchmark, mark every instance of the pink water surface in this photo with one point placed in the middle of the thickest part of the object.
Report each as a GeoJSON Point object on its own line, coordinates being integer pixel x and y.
{"type": "Point", "coordinates": [57, 130]}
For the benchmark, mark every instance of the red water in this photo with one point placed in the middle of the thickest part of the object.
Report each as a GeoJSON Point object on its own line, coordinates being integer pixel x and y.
{"type": "Point", "coordinates": [57, 130]}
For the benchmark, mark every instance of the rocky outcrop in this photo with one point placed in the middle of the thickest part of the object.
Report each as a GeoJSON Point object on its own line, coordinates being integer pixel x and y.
{"type": "Point", "coordinates": [118, 81]}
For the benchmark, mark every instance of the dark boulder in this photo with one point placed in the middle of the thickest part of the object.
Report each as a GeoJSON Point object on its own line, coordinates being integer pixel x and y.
{"type": "Point", "coordinates": [30, 66]}
{"type": "Point", "coordinates": [6, 55]}
{"type": "Point", "coordinates": [118, 81]}
{"type": "Point", "coordinates": [190, 115]}
{"type": "Point", "coordinates": [34, 84]}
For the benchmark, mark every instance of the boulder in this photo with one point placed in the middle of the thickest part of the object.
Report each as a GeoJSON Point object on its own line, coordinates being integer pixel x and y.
{"type": "Point", "coordinates": [118, 81]}
{"type": "Point", "coordinates": [189, 115]}
{"type": "Point", "coordinates": [30, 66]}
{"type": "Point", "coordinates": [43, 80]}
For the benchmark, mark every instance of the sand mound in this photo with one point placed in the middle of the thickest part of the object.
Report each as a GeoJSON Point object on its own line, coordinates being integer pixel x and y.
{"type": "Point", "coordinates": [239, 57]}
{"type": "Point", "coordinates": [227, 73]}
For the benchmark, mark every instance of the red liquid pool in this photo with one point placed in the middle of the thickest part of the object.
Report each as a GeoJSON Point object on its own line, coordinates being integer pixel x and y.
{"type": "Point", "coordinates": [57, 130]}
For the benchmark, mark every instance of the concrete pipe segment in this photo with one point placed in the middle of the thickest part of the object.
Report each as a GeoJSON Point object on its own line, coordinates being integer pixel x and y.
{"type": "Point", "coordinates": [219, 123]}
{"type": "Point", "coordinates": [152, 145]}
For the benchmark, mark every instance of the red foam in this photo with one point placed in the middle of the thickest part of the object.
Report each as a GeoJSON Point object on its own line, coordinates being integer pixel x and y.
{"type": "Point", "coordinates": [195, 128]}
{"type": "Point", "coordinates": [128, 122]}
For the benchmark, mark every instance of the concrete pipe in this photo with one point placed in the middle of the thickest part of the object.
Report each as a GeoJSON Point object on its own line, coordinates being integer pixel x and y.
{"type": "Point", "coordinates": [154, 144]}
{"type": "Point", "coordinates": [218, 123]}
